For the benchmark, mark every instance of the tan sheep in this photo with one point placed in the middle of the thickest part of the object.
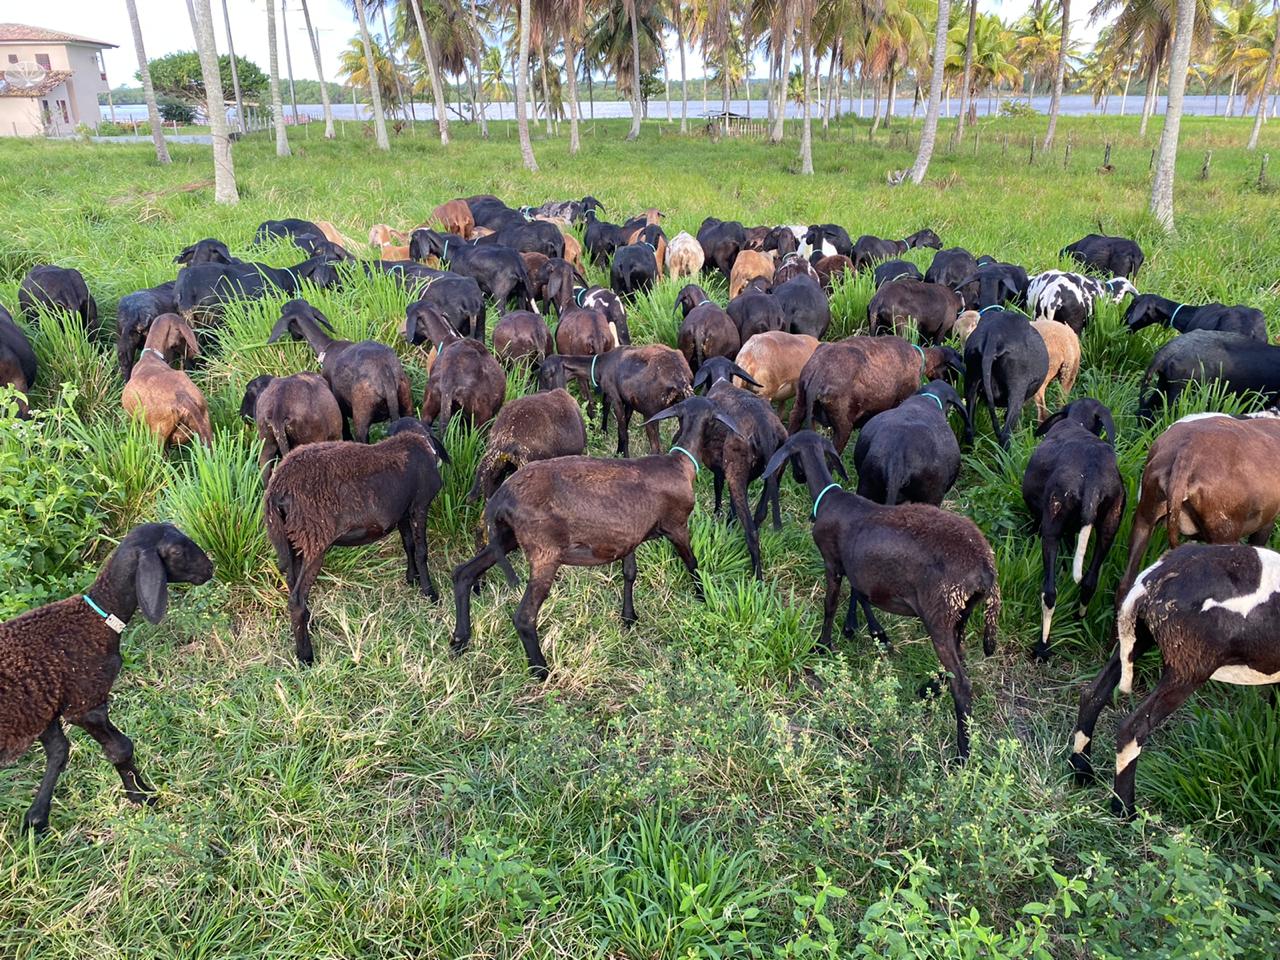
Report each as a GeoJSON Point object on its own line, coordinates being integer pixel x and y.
{"type": "Point", "coordinates": [1064, 360]}
{"type": "Point", "coordinates": [774, 359]}
{"type": "Point", "coordinates": [684, 256]}
{"type": "Point", "coordinates": [173, 406]}
{"type": "Point", "coordinates": [748, 265]}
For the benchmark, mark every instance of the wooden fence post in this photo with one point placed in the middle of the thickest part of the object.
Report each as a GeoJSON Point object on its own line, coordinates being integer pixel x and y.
{"type": "Point", "coordinates": [1204, 167]}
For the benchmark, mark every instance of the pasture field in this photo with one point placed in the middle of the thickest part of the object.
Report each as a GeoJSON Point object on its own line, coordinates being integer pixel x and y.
{"type": "Point", "coordinates": [702, 785]}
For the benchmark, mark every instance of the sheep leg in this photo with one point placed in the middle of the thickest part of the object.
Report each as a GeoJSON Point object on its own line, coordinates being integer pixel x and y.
{"type": "Point", "coordinates": [56, 748]}
{"type": "Point", "coordinates": [1092, 701]}
{"type": "Point", "coordinates": [628, 585]}
{"type": "Point", "coordinates": [1260, 537]}
{"type": "Point", "coordinates": [655, 438]}
{"type": "Point", "coordinates": [1168, 696]}
{"type": "Point", "coordinates": [299, 612]}
{"type": "Point", "coordinates": [742, 509]}
{"type": "Point", "coordinates": [464, 578]}
{"type": "Point", "coordinates": [1049, 537]}
{"type": "Point", "coordinates": [360, 421]}
{"type": "Point", "coordinates": [830, 602]}
{"type": "Point", "coordinates": [1013, 412]}
{"type": "Point", "coordinates": [542, 573]}
{"type": "Point", "coordinates": [1108, 526]}
{"type": "Point", "coordinates": [679, 537]}
{"type": "Point", "coordinates": [717, 483]}
{"type": "Point", "coordinates": [944, 643]}
{"type": "Point", "coordinates": [420, 555]}
{"type": "Point", "coordinates": [406, 541]}
{"type": "Point", "coordinates": [1139, 537]}
{"type": "Point", "coordinates": [624, 429]}
{"type": "Point", "coordinates": [119, 751]}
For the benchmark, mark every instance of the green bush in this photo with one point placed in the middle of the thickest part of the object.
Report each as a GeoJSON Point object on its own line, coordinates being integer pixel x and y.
{"type": "Point", "coordinates": [175, 111]}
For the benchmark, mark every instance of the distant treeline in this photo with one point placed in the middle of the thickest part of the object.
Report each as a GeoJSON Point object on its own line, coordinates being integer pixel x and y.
{"type": "Point", "coordinates": [308, 91]}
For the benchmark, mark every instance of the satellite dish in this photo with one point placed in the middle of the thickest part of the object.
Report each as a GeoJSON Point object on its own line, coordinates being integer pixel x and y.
{"type": "Point", "coordinates": [25, 74]}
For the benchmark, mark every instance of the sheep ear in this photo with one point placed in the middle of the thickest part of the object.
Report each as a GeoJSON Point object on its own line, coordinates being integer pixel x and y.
{"type": "Point", "coordinates": [322, 320]}
{"type": "Point", "coordinates": [836, 464]}
{"type": "Point", "coordinates": [410, 323]}
{"type": "Point", "coordinates": [577, 275]}
{"type": "Point", "coordinates": [1109, 425]}
{"type": "Point", "coordinates": [743, 375]}
{"type": "Point", "coordinates": [279, 330]}
{"type": "Point", "coordinates": [671, 411]}
{"type": "Point", "coordinates": [189, 338]}
{"type": "Point", "coordinates": [1050, 422]}
{"type": "Point", "coordinates": [438, 446]}
{"type": "Point", "coordinates": [778, 460]}
{"type": "Point", "coordinates": [701, 376]}
{"type": "Point", "coordinates": [728, 422]}
{"type": "Point", "coordinates": [152, 586]}
{"type": "Point", "coordinates": [184, 254]}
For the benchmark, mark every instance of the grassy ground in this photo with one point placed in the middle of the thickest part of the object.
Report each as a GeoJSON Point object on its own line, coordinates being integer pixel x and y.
{"type": "Point", "coordinates": [700, 786]}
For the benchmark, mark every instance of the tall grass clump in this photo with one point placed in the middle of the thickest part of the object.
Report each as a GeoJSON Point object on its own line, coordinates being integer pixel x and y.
{"type": "Point", "coordinates": [66, 354]}
{"type": "Point", "coordinates": [850, 294]}
{"type": "Point", "coordinates": [126, 451]}
{"type": "Point", "coordinates": [465, 445]}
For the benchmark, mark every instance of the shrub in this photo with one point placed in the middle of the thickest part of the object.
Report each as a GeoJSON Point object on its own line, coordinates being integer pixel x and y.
{"type": "Point", "coordinates": [175, 111]}
{"type": "Point", "coordinates": [1014, 109]}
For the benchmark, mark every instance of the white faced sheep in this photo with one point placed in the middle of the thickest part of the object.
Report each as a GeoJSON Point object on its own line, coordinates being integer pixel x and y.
{"type": "Point", "coordinates": [1214, 611]}
{"type": "Point", "coordinates": [58, 662]}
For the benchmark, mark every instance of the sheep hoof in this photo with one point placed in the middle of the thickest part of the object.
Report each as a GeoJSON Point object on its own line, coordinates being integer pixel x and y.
{"type": "Point", "coordinates": [540, 672]}
{"type": "Point", "coordinates": [458, 646]}
{"type": "Point", "coordinates": [1040, 654]}
{"type": "Point", "coordinates": [1082, 770]}
{"type": "Point", "coordinates": [883, 642]}
{"type": "Point", "coordinates": [930, 688]}
{"type": "Point", "coordinates": [1123, 811]}
{"type": "Point", "coordinates": [37, 825]}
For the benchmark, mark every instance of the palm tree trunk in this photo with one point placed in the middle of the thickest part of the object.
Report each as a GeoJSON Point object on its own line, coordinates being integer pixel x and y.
{"type": "Point", "coordinates": [1059, 78]}
{"type": "Point", "coordinates": [666, 83]}
{"type": "Point", "coordinates": [437, 91]}
{"type": "Point", "coordinates": [324, 87]}
{"type": "Point", "coordinates": [893, 95]}
{"type": "Point", "coordinates": [148, 91]}
{"type": "Point", "coordinates": [522, 92]}
{"type": "Point", "coordinates": [784, 71]}
{"type": "Point", "coordinates": [1231, 94]}
{"type": "Point", "coordinates": [929, 133]}
{"type": "Point", "coordinates": [875, 105]}
{"type": "Point", "coordinates": [1149, 99]}
{"type": "Point", "coordinates": [224, 171]}
{"type": "Point", "coordinates": [1128, 75]}
{"type": "Point", "coordinates": [235, 71]}
{"type": "Point", "coordinates": [806, 128]}
{"type": "Point", "coordinates": [375, 94]}
{"type": "Point", "coordinates": [1266, 83]}
{"type": "Point", "coordinates": [684, 77]}
{"type": "Point", "coordinates": [273, 76]}
{"type": "Point", "coordinates": [479, 54]}
{"type": "Point", "coordinates": [546, 89]}
{"type": "Point", "coordinates": [966, 80]}
{"type": "Point", "coordinates": [391, 57]}
{"type": "Point", "coordinates": [831, 86]}
{"type": "Point", "coordinates": [635, 71]}
{"type": "Point", "coordinates": [288, 57]}
{"type": "Point", "coordinates": [1162, 185]}
{"type": "Point", "coordinates": [571, 73]}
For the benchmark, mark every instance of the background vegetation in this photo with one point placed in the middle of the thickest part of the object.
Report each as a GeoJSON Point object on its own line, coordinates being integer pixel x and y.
{"type": "Point", "coordinates": [702, 785]}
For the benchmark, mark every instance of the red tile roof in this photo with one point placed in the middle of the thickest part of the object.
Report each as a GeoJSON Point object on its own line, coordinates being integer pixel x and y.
{"type": "Point", "coordinates": [24, 33]}
{"type": "Point", "coordinates": [52, 79]}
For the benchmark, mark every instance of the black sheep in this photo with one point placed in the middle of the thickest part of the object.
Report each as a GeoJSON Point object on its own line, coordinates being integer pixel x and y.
{"type": "Point", "coordinates": [950, 267]}
{"type": "Point", "coordinates": [207, 250]}
{"type": "Point", "coordinates": [55, 288]}
{"type": "Point", "coordinates": [755, 312]}
{"type": "Point", "coordinates": [891, 270]}
{"type": "Point", "coordinates": [634, 268]}
{"type": "Point", "coordinates": [1072, 485]}
{"type": "Point", "coordinates": [993, 284]}
{"type": "Point", "coordinates": [499, 270]}
{"type": "Point", "coordinates": [457, 299]}
{"type": "Point", "coordinates": [206, 287]}
{"type": "Point", "coordinates": [933, 307]}
{"type": "Point", "coordinates": [909, 454]}
{"type": "Point", "coordinates": [804, 306]}
{"type": "Point", "coordinates": [134, 314]}
{"type": "Point", "coordinates": [722, 241]}
{"type": "Point", "coordinates": [601, 238]}
{"type": "Point", "coordinates": [1240, 363]}
{"type": "Point", "coordinates": [868, 250]}
{"type": "Point", "coordinates": [1148, 308]}
{"type": "Point", "coordinates": [828, 239]}
{"type": "Point", "coordinates": [1110, 256]}
{"type": "Point", "coordinates": [17, 359]}
{"type": "Point", "coordinates": [1006, 360]}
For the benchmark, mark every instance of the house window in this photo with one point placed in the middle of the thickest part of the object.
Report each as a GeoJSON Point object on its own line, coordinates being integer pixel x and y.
{"type": "Point", "coordinates": [43, 60]}
{"type": "Point", "coordinates": [66, 117]}
{"type": "Point", "coordinates": [13, 58]}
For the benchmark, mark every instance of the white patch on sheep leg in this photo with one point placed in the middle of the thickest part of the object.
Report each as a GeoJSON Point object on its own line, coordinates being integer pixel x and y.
{"type": "Point", "coordinates": [613, 329]}
{"type": "Point", "coordinates": [1244, 676]}
{"type": "Point", "coordinates": [1126, 627]}
{"type": "Point", "coordinates": [1268, 586]}
{"type": "Point", "coordinates": [1127, 756]}
{"type": "Point", "coordinates": [1082, 741]}
{"type": "Point", "coordinates": [1046, 620]}
{"type": "Point", "coordinates": [1082, 546]}
{"type": "Point", "coordinates": [534, 304]}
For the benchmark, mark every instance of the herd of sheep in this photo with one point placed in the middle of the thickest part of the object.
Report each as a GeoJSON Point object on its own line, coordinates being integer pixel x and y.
{"type": "Point", "coordinates": [1212, 609]}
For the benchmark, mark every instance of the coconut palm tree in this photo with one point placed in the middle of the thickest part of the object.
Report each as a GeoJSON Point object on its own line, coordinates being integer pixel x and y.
{"type": "Point", "coordinates": [806, 127]}
{"type": "Point", "coordinates": [929, 134]}
{"type": "Point", "coordinates": [353, 65]}
{"type": "Point", "coordinates": [235, 70]}
{"type": "Point", "coordinates": [1236, 33]}
{"type": "Point", "coordinates": [1167, 153]}
{"type": "Point", "coordinates": [677, 19]}
{"type": "Point", "coordinates": [630, 6]}
{"type": "Point", "coordinates": [1267, 79]}
{"type": "Point", "coordinates": [375, 94]}
{"type": "Point", "coordinates": [433, 73]}
{"type": "Point", "coordinates": [522, 91]}
{"type": "Point", "coordinates": [788, 28]}
{"type": "Point", "coordinates": [1059, 75]}
{"type": "Point", "coordinates": [966, 74]}
{"type": "Point", "coordinates": [148, 91]}
{"type": "Point", "coordinates": [273, 76]}
{"type": "Point", "coordinates": [1039, 41]}
{"type": "Point", "coordinates": [324, 87]}
{"type": "Point", "coordinates": [224, 171]}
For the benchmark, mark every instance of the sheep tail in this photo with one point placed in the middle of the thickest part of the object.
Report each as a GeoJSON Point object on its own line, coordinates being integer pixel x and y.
{"type": "Point", "coordinates": [281, 436]}
{"type": "Point", "coordinates": [1176, 495]}
{"type": "Point", "coordinates": [1089, 515]}
{"type": "Point", "coordinates": [1127, 627]}
{"type": "Point", "coordinates": [988, 363]}
{"type": "Point", "coordinates": [991, 616]}
{"type": "Point", "coordinates": [893, 481]}
{"type": "Point", "coordinates": [391, 393]}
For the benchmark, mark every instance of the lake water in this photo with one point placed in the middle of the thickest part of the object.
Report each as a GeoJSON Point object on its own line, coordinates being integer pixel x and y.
{"type": "Point", "coordinates": [1072, 106]}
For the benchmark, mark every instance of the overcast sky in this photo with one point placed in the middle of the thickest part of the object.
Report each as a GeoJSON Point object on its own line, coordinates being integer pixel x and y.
{"type": "Point", "coordinates": [166, 28]}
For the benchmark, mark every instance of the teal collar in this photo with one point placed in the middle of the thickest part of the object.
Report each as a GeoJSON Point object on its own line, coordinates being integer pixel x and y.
{"type": "Point", "coordinates": [920, 350]}
{"type": "Point", "coordinates": [935, 400]}
{"type": "Point", "coordinates": [579, 294]}
{"type": "Point", "coordinates": [649, 245]}
{"type": "Point", "coordinates": [692, 458]}
{"type": "Point", "coordinates": [146, 350]}
{"type": "Point", "coordinates": [594, 358]}
{"type": "Point", "coordinates": [991, 306]}
{"type": "Point", "coordinates": [444, 254]}
{"type": "Point", "coordinates": [112, 621]}
{"type": "Point", "coordinates": [1175, 313]}
{"type": "Point", "coordinates": [704, 302]}
{"type": "Point", "coordinates": [818, 501]}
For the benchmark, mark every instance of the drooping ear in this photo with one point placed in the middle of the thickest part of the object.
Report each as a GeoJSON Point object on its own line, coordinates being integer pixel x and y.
{"type": "Point", "coordinates": [743, 375]}
{"type": "Point", "coordinates": [438, 446]}
{"type": "Point", "coordinates": [184, 255]}
{"type": "Point", "coordinates": [836, 464]}
{"type": "Point", "coordinates": [320, 318]}
{"type": "Point", "coordinates": [1008, 291]}
{"type": "Point", "coordinates": [1051, 421]}
{"type": "Point", "coordinates": [1108, 424]}
{"type": "Point", "coordinates": [189, 341]}
{"type": "Point", "coordinates": [672, 411]}
{"type": "Point", "coordinates": [577, 275]}
{"type": "Point", "coordinates": [152, 585]}
{"type": "Point", "coordinates": [728, 422]}
{"type": "Point", "coordinates": [779, 459]}
{"type": "Point", "coordinates": [701, 377]}
{"type": "Point", "coordinates": [410, 323]}
{"type": "Point", "coordinates": [280, 329]}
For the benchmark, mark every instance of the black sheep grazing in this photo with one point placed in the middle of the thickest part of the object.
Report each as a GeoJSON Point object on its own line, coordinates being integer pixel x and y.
{"type": "Point", "coordinates": [1148, 308]}
{"type": "Point", "coordinates": [17, 359]}
{"type": "Point", "coordinates": [58, 662]}
{"type": "Point", "coordinates": [1111, 256]}
{"type": "Point", "coordinates": [951, 266]}
{"type": "Point", "coordinates": [781, 240]}
{"type": "Point", "coordinates": [1006, 360]}
{"type": "Point", "coordinates": [134, 314]}
{"type": "Point", "coordinates": [828, 239]}
{"type": "Point", "coordinates": [993, 284]}
{"type": "Point", "coordinates": [207, 250]}
{"type": "Point", "coordinates": [868, 250]}
{"type": "Point", "coordinates": [1072, 485]}
{"type": "Point", "coordinates": [804, 306]}
{"type": "Point", "coordinates": [913, 559]}
{"type": "Point", "coordinates": [892, 270]}
{"type": "Point", "coordinates": [755, 312]}
{"type": "Point", "coordinates": [909, 454]}
{"type": "Point", "coordinates": [345, 495]}
{"type": "Point", "coordinates": [490, 212]}
{"type": "Point", "coordinates": [1214, 613]}
{"type": "Point", "coordinates": [707, 330]}
{"type": "Point", "coordinates": [206, 287]}
{"type": "Point", "coordinates": [56, 289]}
{"type": "Point", "coordinates": [722, 241]}
{"type": "Point", "coordinates": [529, 236]}
{"type": "Point", "coordinates": [499, 270]}
{"type": "Point", "coordinates": [457, 299]}
{"type": "Point", "coordinates": [933, 307]}
{"type": "Point", "coordinates": [634, 268]}
{"type": "Point", "coordinates": [601, 238]}
{"type": "Point", "coordinates": [1240, 363]}
{"type": "Point", "coordinates": [366, 377]}
{"type": "Point", "coordinates": [286, 229]}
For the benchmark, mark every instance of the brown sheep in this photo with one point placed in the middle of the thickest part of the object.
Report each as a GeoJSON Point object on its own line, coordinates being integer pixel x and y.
{"type": "Point", "coordinates": [748, 265]}
{"type": "Point", "coordinates": [573, 251]}
{"type": "Point", "coordinates": [844, 384]}
{"type": "Point", "coordinates": [774, 360]}
{"type": "Point", "coordinates": [465, 379]}
{"type": "Point", "coordinates": [793, 265]}
{"type": "Point", "coordinates": [1064, 360]}
{"type": "Point", "coordinates": [391, 244]}
{"type": "Point", "coordinates": [290, 412]}
{"type": "Point", "coordinates": [829, 268]}
{"type": "Point", "coordinates": [58, 662]}
{"type": "Point", "coordinates": [455, 216]}
{"type": "Point", "coordinates": [174, 408]}
{"type": "Point", "coordinates": [581, 332]}
{"type": "Point", "coordinates": [707, 331]}
{"type": "Point", "coordinates": [1210, 477]}
{"type": "Point", "coordinates": [540, 426]}
{"type": "Point", "coordinates": [521, 335]}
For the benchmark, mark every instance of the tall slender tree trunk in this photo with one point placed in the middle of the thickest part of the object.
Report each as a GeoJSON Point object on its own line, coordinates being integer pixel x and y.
{"type": "Point", "coordinates": [479, 55]}
{"type": "Point", "coordinates": [391, 56]}
{"type": "Point", "coordinates": [684, 76]}
{"type": "Point", "coordinates": [1231, 94]}
{"type": "Point", "coordinates": [1162, 185]}
{"type": "Point", "coordinates": [235, 71]}
{"type": "Point", "coordinates": [666, 83]}
{"type": "Point", "coordinates": [375, 94]}
{"type": "Point", "coordinates": [746, 43]}
{"type": "Point", "coordinates": [428, 56]}
{"type": "Point", "coordinates": [546, 89]}
{"type": "Point", "coordinates": [273, 77]}
{"type": "Point", "coordinates": [224, 171]}
{"type": "Point", "coordinates": [522, 92]}
{"type": "Point", "coordinates": [875, 105]}
{"type": "Point", "coordinates": [784, 71]}
{"type": "Point", "coordinates": [831, 86]}
{"type": "Point", "coordinates": [806, 127]}
{"type": "Point", "coordinates": [324, 87]}
{"type": "Point", "coordinates": [893, 94]}
{"type": "Point", "coordinates": [288, 57]}
{"type": "Point", "coordinates": [1059, 77]}
{"type": "Point", "coordinates": [1149, 98]}
{"type": "Point", "coordinates": [1261, 115]}
{"type": "Point", "coordinates": [1128, 75]}
{"type": "Point", "coordinates": [148, 91]}
{"type": "Point", "coordinates": [929, 133]}
{"type": "Point", "coordinates": [966, 80]}
{"type": "Point", "coordinates": [571, 74]}
{"type": "Point", "coordinates": [635, 70]}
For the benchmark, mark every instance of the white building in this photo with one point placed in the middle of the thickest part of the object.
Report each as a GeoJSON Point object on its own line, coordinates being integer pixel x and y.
{"type": "Point", "coordinates": [49, 81]}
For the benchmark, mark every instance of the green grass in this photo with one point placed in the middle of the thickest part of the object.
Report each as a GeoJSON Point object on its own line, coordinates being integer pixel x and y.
{"type": "Point", "coordinates": [703, 785]}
